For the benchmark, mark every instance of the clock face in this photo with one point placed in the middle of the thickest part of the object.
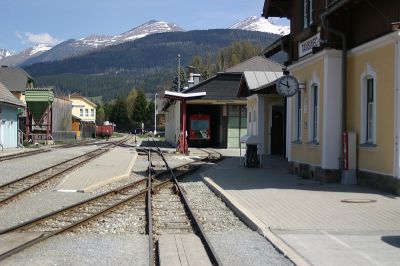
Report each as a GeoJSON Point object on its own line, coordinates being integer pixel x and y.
{"type": "Point", "coordinates": [287, 86]}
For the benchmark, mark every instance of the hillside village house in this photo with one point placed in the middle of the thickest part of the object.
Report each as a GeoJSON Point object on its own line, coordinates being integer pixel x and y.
{"type": "Point", "coordinates": [346, 55]}
{"type": "Point", "coordinates": [83, 115]}
{"type": "Point", "coordinates": [9, 105]}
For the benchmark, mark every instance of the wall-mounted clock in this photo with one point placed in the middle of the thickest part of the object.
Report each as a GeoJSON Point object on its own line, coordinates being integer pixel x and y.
{"type": "Point", "coordinates": [287, 86]}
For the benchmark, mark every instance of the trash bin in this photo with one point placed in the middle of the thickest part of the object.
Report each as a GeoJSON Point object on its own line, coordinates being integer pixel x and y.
{"type": "Point", "coordinates": [251, 157]}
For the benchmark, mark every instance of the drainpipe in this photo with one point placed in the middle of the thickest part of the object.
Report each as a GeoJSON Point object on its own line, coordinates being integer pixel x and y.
{"type": "Point", "coordinates": [344, 70]}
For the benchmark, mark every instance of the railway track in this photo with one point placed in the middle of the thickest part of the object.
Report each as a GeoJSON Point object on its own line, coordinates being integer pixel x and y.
{"type": "Point", "coordinates": [18, 187]}
{"type": "Point", "coordinates": [83, 213]}
{"type": "Point", "coordinates": [22, 154]}
{"type": "Point", "coordinates": [169, 212]}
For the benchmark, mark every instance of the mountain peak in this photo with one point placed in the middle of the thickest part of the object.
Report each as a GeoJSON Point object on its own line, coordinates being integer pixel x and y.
{"type": "Point", "coordinates": [40, 48]}
{"type": "Point", "coordinates": [150, 27]}
{"type": "Point", "coordinates": [5, 53]}
{"type": "Point", "coordinates": [254, 23]}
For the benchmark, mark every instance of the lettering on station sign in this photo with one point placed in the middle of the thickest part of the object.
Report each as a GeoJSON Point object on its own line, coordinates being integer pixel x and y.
{"type": "Point", "coordinates": [306, 47]}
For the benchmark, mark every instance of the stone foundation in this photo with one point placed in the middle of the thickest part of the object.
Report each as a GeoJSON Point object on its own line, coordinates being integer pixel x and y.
{"type": "Point", "coordinates": [314, 172]}
{"type": "Point", "coordinates": [379, 181]}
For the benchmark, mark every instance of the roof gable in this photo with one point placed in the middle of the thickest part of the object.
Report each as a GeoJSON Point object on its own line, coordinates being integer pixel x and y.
{"type": "Point", "coordinates": [7, 97]}
{"type": "Point", "coordinates": [223, 86]}
{"type": "Point", "coordinates": [15, 79]}
{"type": "Point", "coordinates": [256, 63]}
{"type": "Point", "coordinates": [80, 97]}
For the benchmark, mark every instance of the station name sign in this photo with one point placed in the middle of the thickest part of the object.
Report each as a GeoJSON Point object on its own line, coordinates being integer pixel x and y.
{"type": "Point", "coordinates": [306, 47]}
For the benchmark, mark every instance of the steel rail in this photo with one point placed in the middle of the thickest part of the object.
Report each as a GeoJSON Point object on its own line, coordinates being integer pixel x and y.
{"type": "Point", "coordinates": [22, 154]}
{"type": "Point", "coordinates": [201, 232]}
{"type": "Point", "coordinates": [149, 211]}
{"type": "Point", "coordinates": [29, 187]}
{"type": "Point", "coordinates": [29, 224]}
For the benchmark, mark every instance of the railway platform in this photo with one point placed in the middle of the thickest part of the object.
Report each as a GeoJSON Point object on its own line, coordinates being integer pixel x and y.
{"type": "Point", "coordinates": [312, 223]}
{"type": "Point", "coordinates": [110, 167]}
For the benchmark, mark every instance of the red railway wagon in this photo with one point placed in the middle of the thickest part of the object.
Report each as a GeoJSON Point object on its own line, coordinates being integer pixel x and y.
{"type": "Point", "coordinates": [199, 127]}
{"type": "Point", "coordinates": [104, 131]}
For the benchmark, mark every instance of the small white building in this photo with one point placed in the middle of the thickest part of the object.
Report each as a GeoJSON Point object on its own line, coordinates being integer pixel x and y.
{"type": "Point", "coordinates": [9, 105]}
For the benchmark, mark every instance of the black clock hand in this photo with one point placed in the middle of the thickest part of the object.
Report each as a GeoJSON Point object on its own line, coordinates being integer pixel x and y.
{"type": "Point", "coordinates": [284, 84]}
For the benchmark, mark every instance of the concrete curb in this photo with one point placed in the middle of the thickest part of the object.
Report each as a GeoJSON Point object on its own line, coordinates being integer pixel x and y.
{"type": "Point", "coordinates": [255, 224]}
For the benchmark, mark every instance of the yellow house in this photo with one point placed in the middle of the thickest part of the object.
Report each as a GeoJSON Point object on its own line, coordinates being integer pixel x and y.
{"type": "Point", "coordinates": [82, 108]}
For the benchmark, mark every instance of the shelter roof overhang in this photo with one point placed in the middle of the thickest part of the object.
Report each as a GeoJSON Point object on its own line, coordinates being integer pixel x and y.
{"type": "Point", "coordinates": [258, 82]}
{"type": "Point", "coordinates": [277, 46]}
{"type": "Point", "coordinates": [276, 8]}
{"type": "Point", "coordinates": [179, 96]}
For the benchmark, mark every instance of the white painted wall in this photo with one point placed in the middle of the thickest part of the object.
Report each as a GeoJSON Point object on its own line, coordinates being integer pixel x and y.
{"type": "Point", "coordinates": [332, 102]}
{"type": "Point", "coordinates": [8, 126]}
{"type": "Point", "coordinates": [257, 127]}
{"type": "Point", "coordinates": [172, 124]}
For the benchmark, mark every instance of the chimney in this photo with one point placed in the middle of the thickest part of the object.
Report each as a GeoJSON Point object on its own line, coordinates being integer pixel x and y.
{"type": "Point", "coordinates": [190, 76]}
{"type": "Point", "coordinates": [193, 79]}
{"type": "Point", "coordinates": [196, 79]}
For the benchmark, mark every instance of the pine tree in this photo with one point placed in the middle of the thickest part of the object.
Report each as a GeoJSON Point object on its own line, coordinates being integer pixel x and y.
{"type": "Point", "coordinates": [183, 81]}
{"type": "Point", "coordinates": [100, 115]}
{"type": "Point", "coordinates": [139, 114]}
{"type": "Point", "coordinates": [119, 114]}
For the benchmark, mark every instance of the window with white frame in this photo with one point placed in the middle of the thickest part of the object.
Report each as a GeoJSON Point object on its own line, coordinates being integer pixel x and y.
{"type": "Point", "coordinates": [250, 127]}
{"type": "Point", "coordinates": [92, 112]}
{"type": "Point", "coordinates": [369, 111]}
{"type": "Point", "coordinates": [81, 112]}
{"type": "Point", "coordinates": [298, 116]}
{"type": "Point", "coordinates": [368, 107]}
{"type": "Point", "coordinates": [314, 113]}
{"type": "Point", "coordinates": [86, 112]}
{"type": "Point", "coordinates": [307, 13]}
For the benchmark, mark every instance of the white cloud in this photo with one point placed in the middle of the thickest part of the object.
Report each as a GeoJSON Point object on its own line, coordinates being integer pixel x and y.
{"type": "Point", "coordinates": [18, 35]}
{"type": "Point", "coordinates": [39, 38]}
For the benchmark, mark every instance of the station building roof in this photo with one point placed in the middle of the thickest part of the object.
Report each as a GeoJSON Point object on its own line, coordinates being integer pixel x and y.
{"type": "Point", "coordinates": [222, 86]}
{"type": "Point", "coordinates": [256, 63]}
{"type": "Point", "coordinates": [15, 78]}
{"type": "Point", "coordinates": [7, 97]}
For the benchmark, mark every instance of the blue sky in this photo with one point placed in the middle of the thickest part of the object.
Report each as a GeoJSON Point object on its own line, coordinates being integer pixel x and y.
{"type": "Point", "coordinates": [24, 23]}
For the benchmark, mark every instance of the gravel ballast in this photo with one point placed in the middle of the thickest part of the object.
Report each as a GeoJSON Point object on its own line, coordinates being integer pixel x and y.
{"type": "Point", "coordinates": [85, 249]}
{"type": "Point", "coordinates": [119, 239]}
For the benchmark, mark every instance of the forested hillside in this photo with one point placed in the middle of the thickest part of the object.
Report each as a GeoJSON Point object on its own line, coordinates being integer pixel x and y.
{"type": "Point", "coordinates": [145, 63]}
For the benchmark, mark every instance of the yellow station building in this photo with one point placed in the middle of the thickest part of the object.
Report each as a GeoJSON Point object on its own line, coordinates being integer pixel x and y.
{"type": "Point", "coordinates": [346, 58]}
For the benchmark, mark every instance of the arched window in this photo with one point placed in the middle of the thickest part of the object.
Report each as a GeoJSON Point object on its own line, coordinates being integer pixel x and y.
{"type": "Point", "coordinates": [368, 107]}
{"type": "Point", "coordinates": [314, 113]}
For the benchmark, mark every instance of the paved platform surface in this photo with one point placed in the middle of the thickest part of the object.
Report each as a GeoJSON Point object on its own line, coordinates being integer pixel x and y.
{"type": "Point", "coordinates": [115, 164]}
{"type": "Point", "coordinates": [310, 221]}
{"type": "Point", "coordinates": [182, 250]}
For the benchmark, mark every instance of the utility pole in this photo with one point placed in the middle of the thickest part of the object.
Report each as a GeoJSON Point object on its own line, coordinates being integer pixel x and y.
{"type": "Point", "coordinates": [155, 114]}
{"type": "Point", "coordinates": [179, 73]}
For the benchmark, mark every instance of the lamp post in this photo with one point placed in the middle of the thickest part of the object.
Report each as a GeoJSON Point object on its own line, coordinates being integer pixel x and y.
{"type": "Point", "coordinates": [155, 114]}
{"type": "Point", "coordinates": [179, 73]}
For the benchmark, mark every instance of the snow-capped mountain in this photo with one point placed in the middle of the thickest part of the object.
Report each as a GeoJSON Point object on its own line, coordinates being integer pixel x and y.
{"type": "Point", "coordinates": [90, 43]}
{"type": "Point", "coordinates": [5, 53]}
{"type": "Point", "coordinates": [40, 48]}
{"type": "Point", "coordinates": [150, 27]}
{"type": "Point", "coordinates": [16, 59]}
{"type": "Point", "coordinates": [261, 24]}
